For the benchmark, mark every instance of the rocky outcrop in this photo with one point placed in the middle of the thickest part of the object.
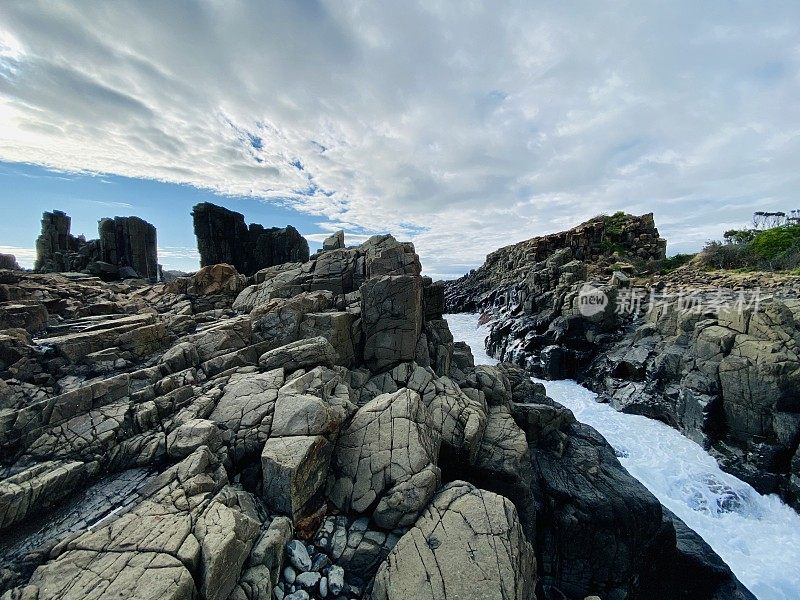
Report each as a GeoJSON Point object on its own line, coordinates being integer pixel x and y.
{"type": "Point", "coordinates": [224, 237]}
{"type": "Point", "coordinates": [536, 289]}
{"type": "Point", "coordinates": [317, 434]}
{"type": "Point", "coordinates": [130, 244]}
{"type": "Point", "coordinates": [9, 261]}
{"type": "Point", "coordinates": [603, 239]}
{"type": "Point", "coordinates": [723, 372]}
{"type": "Point", "coordinates": [686, 348]}
{"type": "Point", "coordinates": [126, 248]}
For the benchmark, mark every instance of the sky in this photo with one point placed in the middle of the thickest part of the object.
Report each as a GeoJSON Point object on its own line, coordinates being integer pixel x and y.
{"type": "Point", "coordinates": [462, 126]}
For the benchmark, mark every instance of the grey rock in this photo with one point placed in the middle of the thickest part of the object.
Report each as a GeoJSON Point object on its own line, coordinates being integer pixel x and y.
{"type": "Point", "coordinates": [191, 435]}
{"type": "Point", "coordinates": [468, 543]}
{"type": "Point", "coordinates": [392, 319]}
{"type": "Point", "coordinates": [334, 241]}
{"type": "Point", "coordinates": [388, 453]}
{"type": "Point", "coordinates": [308, 580]}
{"type": "Point", "coordinates": [298, 556]}
{"type": "Point", "coordinates": [336, 580]}
{"type": "Point", "coordinates": [300, 355]}
{"type": "Point", "coordinates": [294, 470]}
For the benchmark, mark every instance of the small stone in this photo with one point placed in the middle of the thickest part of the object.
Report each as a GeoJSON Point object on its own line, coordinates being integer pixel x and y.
{"type": "Point", "coordinates": [320, 562]}
{"type": "Point", "coordinates": [336, 579]}
{"type": "Point", "coordinates": [298, 555]}
{"type": "Point", "coordinates": [308, 580]}
{"type": "Point", "coordinates": [289, 575]}
{"type": "Point", "coordinates": [323, 587]}
{"type": "Point", "coordinates": [298, 595]}
{"type": "Point", "coordinates": [278, 593]}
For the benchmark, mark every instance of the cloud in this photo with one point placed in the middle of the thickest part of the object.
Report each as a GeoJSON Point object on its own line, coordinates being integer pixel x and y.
{"type": "Point", "coordinates": [25, 256]}
{"type": "Point", "coordinates": [463, 126]}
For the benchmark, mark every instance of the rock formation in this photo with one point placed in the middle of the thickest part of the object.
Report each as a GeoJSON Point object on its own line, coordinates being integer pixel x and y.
{"type": "Point", "coordinates": [224, 237]}
{"type": "Point", "coordinates": [130, 244]}
{"type": "Point", "coordinates": [317, 434]}
{"type": "Point", "coordinates": [126, 248]}
{"type": "Point", "coordinates": [682, 348]}
{"type": "Point", "coordinates": [9, 261]}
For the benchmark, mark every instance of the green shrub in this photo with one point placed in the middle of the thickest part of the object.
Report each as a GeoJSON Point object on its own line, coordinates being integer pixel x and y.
{"type": "Point", "coordinates": [614, 223]}
{"type": "Point", "coordinates": [717, 255]}
{"type": "Point", "coordinates": [772, 244]}
{"type": "Point", "coordinates": [739, 236]}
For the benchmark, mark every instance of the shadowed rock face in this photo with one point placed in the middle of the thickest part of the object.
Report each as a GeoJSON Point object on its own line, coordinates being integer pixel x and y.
{"type": "Point", "coordinates": [130, 242]}
{"type": "Point", "coordinates": [9, 261]}
{"type": "Point", "coordinates": [126, 248]}
{"type": "Point", "coordinates": [224, 237]}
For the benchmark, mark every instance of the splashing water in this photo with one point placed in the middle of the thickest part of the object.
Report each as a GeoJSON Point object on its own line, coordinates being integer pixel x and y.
{"type": "Point", "coordinates": [757, 536]}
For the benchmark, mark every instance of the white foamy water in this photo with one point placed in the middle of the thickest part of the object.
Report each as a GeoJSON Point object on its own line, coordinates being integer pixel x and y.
{"type": "Point", "coordinates": [757, 536]}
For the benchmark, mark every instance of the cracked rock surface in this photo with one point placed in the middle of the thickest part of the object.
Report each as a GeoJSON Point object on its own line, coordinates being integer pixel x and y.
{"type": "Point", "coordinates": [467, 544]}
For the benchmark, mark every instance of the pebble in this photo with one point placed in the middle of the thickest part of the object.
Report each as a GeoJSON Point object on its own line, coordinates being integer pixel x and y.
{"type": "Point", "coordinates": [336, 580]}
{"type": "Point", "coordinates": [308, 580]}
{"type": "Point", "coordinates": [289, 575]}
{"type": "Point", "coordinates": [298, 595]}
{"type": "Point", "coordinates": [323, 587]}
{"type": "Point", "coordinates": [298, 555]}
{"type": "Point", "coordinates": [320, 562]}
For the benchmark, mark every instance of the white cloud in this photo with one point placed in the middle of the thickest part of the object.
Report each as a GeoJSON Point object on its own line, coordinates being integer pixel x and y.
{"type": "Point", "coordinates": [25, 256]}
{"type": "Point", "coordinates": [462, 126]}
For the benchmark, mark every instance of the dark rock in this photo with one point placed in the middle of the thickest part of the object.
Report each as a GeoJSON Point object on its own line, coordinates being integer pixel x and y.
{"type": "Point", "coordinates": [223, 237]}
{"type": "Point", "coordinates": [124, 243]}
{"type": "Point", "coordinates": [9, 261]}
{"type": "Point", "coordinates": [130, 243]}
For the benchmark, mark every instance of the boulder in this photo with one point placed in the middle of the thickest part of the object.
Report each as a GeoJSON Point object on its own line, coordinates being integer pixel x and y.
{"type": "Point", "coordinates": [294, 470]}
{"type": "Point", "coordinates": [387, 454]}
{"type": "Point", "coordinates": [334, 241]}
{"type": "Point", "coordinates": [392, 319]}
{"type": "Point", "coordinates": [245, 410]}
{"type": "Point", "coordinates": [192, 435]}
{"type": "Point", "coordinates": [467, 544]}
{"type": "Point", "coordinates": [300, 355]}
{"type": "Point", "coordinates": [218, 278]}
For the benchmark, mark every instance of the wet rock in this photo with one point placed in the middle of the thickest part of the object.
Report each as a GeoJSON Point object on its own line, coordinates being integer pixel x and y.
{"type": "Point", "coordinates": [298, 556]}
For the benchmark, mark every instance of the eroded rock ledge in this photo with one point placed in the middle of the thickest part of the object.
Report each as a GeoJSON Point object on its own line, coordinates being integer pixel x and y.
{"type": "Point", "coordinates": [311, 431]}
{"type": "Point", "coordinates": [713, 355]}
